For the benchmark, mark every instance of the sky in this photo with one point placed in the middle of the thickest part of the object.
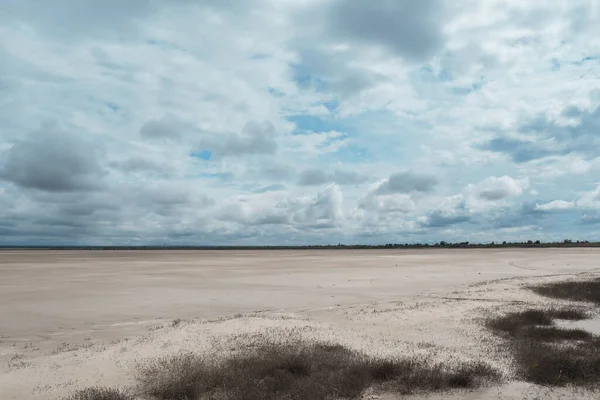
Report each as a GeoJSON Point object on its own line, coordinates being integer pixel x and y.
{"type": "Point", "coordinates": [292, 122]}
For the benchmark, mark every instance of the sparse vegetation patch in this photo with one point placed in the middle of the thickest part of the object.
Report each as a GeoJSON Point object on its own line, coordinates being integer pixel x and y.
{"type": "Point", "coordinates": [549, 355]}
{"type": "Point", "coordinates": [577, 363]}
{"type": "Point", "coordinates": [539, 324]}
{"type": "Point", "coordinates": [99, 393]}
{"type": "Point", "coordinates": [300, 371]}
{"type": "Point", "coordinates": [588, 291]}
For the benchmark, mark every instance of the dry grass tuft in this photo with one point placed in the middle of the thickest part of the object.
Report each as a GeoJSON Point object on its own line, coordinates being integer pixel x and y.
{"type": "Point", "coordinates": [588, 291]}
{"type": "Point", "coordinates": [539, 324]}
{"type": "Point", "coordinates": [98, 393]}
{"type": "Point", "coordinates": [300, 371]}
{"type": "Point", "coordinates": [546, 354]}
{"type": "Point", "coordinates": [550, 364]}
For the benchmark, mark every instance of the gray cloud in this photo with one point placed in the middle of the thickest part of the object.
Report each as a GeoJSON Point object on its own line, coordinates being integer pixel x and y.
{"type": "Point", "coordinates": [409, 29]}
{"type": "Point", "coordinates": [588, 124]}
{"type": "Point", "coordinates": [254, 213]}
{"type": "Point", "coordinates": [493, 188]}
{"type": "Point", "coordinates": [270, 188]}
{"type": "Point", "coordinates": [74, 19]}
{"type": "Point", "coordinates": [316, 176]}
{"type": "Point", "coordinates": [582, 18]}
{"type": "Point", "coordinates": [494, 194]}
{"type": "Point", "coordinates": [88, 207]}
{"type": "Point", "coordinates": [79, 19]}
{"type": "Point", "coordinates": [115, 53]}
{"type": "Point", "coordinates": [143, 164]}
{"type": "Point", "coordinates": [272, 219]}
{"type": "Point", "coordinates": [407, 182]}
{"type": "Point", "coordinates": [336, 69]}
{"type": "Point", "coordinates": [348, 177]}
{"type": "Point", "coordinates": [354, 82]}
{"type": "Point", "coordinates": [325, 211]}
{"type": "Point", "coordinates": [169, 201]}
{"type": "Point", "coordinates": [523, 215]}
{"type": "Point", "coordinates": [273, 172]}
{"type": "Point", "coordinates": [590, 219]}
{"type": "Point", "coordinates": [520, 151]}
{"type": "Point", "coordinates": [556, 206]}
{"type": "Point", "coordinates": [387, 204]}
{"type": "Point", "coordinates": [452, 211]}
{"type": "Point", "coordinates": [552, 138]}
{"type": "Point", "coordinates": [438, 219]}
{"type": "Point", "coordinates": [53, 161]}
{"type": "Point", "coordinates": [412, 29]}
{"type": "Point", "coordinates": [266, 171]}
{"type": "Point", "coordinates": [256, 138]}
{"type": "Point", "coordinates": [313, 177]}
{"type": "Point", "coordinates": [63, 217]}
{"type": "Point", "coordinates": [165, 128]}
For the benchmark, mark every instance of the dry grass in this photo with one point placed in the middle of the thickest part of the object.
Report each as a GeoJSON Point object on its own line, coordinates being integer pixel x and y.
{"type": "Point", "coordinates": [588, 291]}
{"type": "Point", "coordinates": [539, 324]}
{"type": "Point", "coordinates": [546, 354]}
{"type": "Point", "coordinates": [577, 364]}
{"type": "Point", "coordinates": [300, 371]}
{"type": "Point", "coordinates": [98, 393]}
{"type": "Point", "coordinates": [554, 334]}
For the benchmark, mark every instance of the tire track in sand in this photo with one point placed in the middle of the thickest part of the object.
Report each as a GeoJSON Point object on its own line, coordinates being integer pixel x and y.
{"type": "Point", "coordinates": [514, 264]}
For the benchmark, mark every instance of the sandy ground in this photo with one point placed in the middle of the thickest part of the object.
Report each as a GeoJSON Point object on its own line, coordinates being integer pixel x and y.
{"type": "Point", "coordinates": [80, 318]}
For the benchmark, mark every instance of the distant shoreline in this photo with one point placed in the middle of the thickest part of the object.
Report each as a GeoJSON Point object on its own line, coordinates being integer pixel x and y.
{"type": "Point", "coordinates": [534, 245]}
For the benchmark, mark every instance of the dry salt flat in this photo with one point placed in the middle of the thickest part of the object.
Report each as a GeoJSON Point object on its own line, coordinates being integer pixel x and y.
{"type": "Point", "coordinates": [72, 319]}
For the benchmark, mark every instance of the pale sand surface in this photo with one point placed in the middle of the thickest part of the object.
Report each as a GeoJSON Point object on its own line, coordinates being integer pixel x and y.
{"type": "Point", "coordinates": [70, 319]}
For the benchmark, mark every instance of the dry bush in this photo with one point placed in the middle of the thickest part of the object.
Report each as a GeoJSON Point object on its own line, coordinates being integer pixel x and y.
{"type": "Point", "coordinates": [550, 364]}
{"type": "Point", "coordinates": [577, 291]}
{"type": "Point", "coordinates": [300, 371]}
{"type": "Point", "coordinates": [99, 393]}
{"type": "Point", "coordinates": [546, 354]}
{"type": "Point", "coordinates": [539, 324]}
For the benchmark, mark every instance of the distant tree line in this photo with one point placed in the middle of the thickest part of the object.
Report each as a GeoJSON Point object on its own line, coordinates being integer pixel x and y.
{"type": "Point", "coordinates": [441, 244]}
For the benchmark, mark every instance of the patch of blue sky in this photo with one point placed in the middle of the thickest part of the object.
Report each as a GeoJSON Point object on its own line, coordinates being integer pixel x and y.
{"type": "Point", "coordinates": [428, 74]}
{"type": "Point", "coordinates": [352, 125]}
{"type": "Point", "coordinates": [564, 218]}
{"type": "Point", "coordinates": [465, 90]}
{"type": "Point", "coordinates": [350, 154]}
{"type": "Point", "coordinates": [275, 93]}
{"type": "Point", "coordinates": [555, 65]}
{"type": "Point", "coordinates": [271, 188]}
{"type": "Point", "coordinates": [215, 175]}
{"type": "Point", "coordinates": [399, 134]}
{"type": "Point", "coordinates": [113, 106]}
{"type": "Point", "coordinates": [301, 75]}
{"type": "Point", "coordinates": [586, 59]}
{"type": "Point", "coordinates": [163, 44]}
{"type": "Point", "coordinates": [384, 123]}
{"type": "Point", "coordinates": [202, 155]}
{"type": "Point", "coordinates": [589, 219]}
{"type": "Point", "coordinates": [524, 41]}
{"type": "Point", "coordinates": [474, 87]}
{"type": "Point", "coordinates": [444, 76]}
{"type": "Point", "coordinates": [306, 80]}
{"type": "Point", "coordinates": [331, 105]}
{"type": "Point", "coordinates": [305, 124]}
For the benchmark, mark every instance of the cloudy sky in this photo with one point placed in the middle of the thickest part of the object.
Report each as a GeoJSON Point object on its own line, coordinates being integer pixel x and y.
{"type": "Point", "coordinates": [298, 121]}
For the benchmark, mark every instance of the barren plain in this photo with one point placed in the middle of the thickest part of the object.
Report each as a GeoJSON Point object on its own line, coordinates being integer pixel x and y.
{"type": "Point", "coordinates": [74, 319]}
